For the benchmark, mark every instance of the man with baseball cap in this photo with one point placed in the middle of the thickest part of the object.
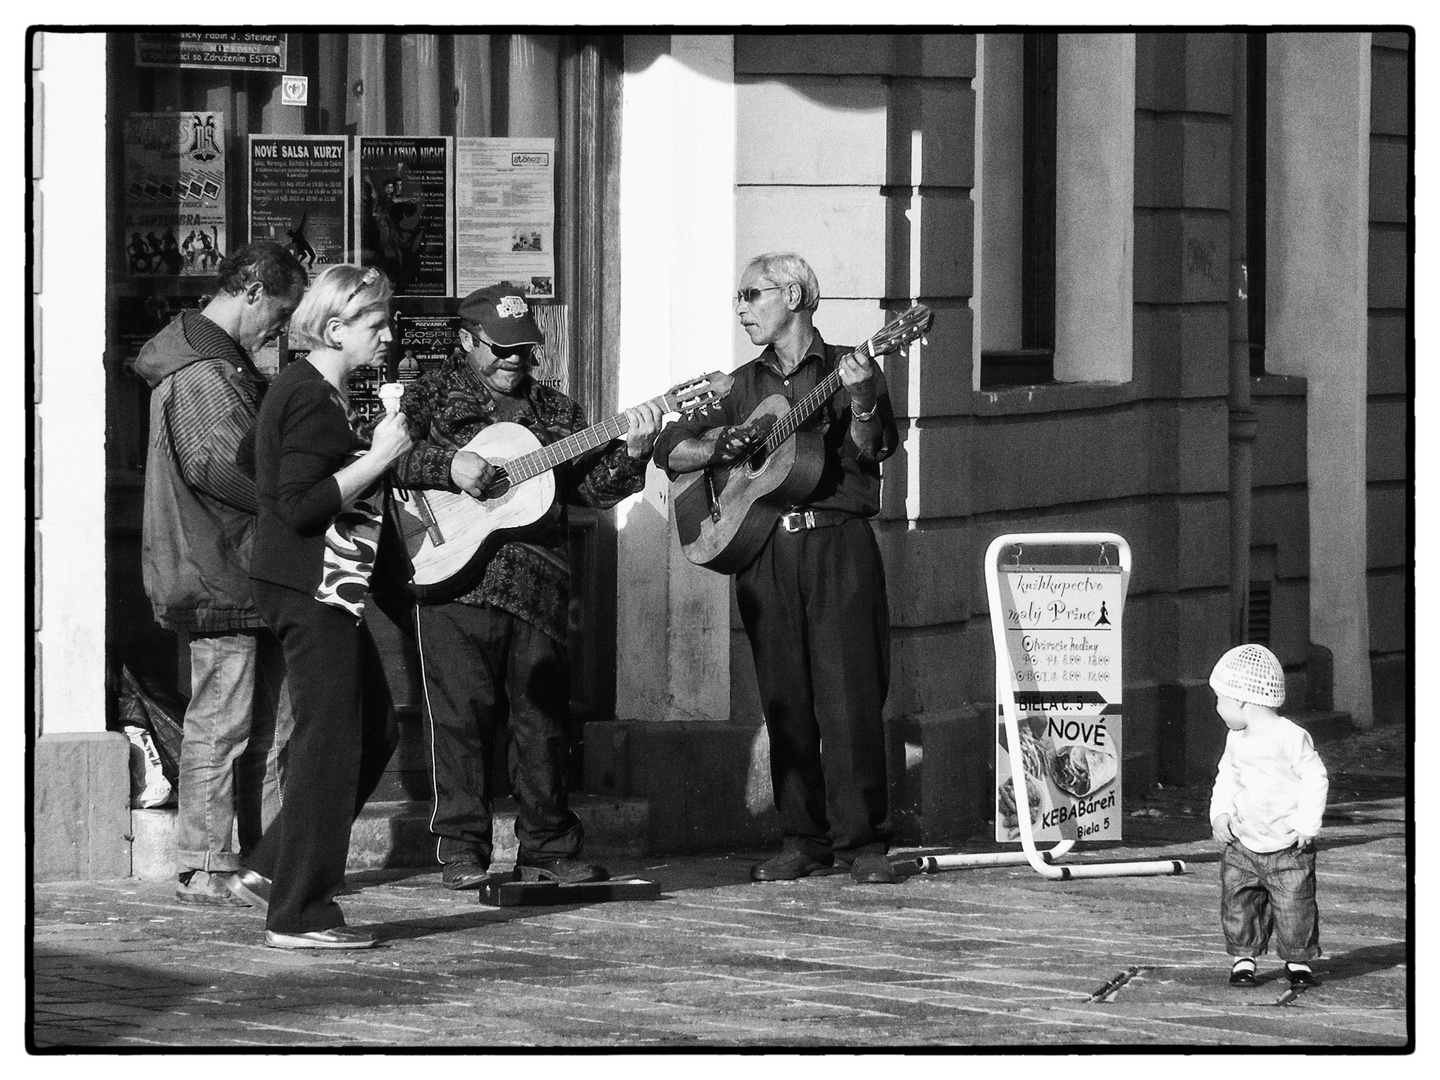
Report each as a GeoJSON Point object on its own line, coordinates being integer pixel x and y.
{"type": "Point", "coordinates": [500, 648]}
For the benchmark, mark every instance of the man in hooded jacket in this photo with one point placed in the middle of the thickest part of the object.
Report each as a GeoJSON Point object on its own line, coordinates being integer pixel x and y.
{"type": "Point", "coordinates": [199, 522]}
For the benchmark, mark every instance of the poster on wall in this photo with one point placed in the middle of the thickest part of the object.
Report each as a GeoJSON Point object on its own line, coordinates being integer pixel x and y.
{"type": "Point", "coordinates": [405, 210]}
{"type": "Point", "coordinates": [423, 340]}
{"type": "Point", "coordinates": [425, 336]}
{"type": "Point", "coordinates": [231, 51]}
{"type": "Point", "coordinates": [505, 214]}
{"type": "Point", "coordinates": [174, 193]}
{"type": "Point", "coordinates": [552, 356]}
{"type": "Point", "coordinates": [299, 197]}
{"type": "Point", "coordinates": [1063, 635]}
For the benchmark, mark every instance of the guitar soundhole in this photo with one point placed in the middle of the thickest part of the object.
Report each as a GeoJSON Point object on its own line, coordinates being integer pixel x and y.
{"type": "Point", "coordinates": [499, 486]}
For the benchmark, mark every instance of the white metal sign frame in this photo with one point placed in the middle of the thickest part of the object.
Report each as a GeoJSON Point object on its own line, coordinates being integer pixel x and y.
{"type": "Point", "coordinates": [1043, 862]}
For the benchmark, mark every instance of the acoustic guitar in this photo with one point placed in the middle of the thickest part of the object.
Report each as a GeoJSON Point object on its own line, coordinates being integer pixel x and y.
{"type": "Point", "coordinates": [450, 536]}
{"type": "Point", "coordinates": [724, 513]}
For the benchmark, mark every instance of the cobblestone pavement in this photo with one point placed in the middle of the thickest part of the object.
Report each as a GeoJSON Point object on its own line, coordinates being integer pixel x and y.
{"type": "Point", "coordinates": [973, 958]}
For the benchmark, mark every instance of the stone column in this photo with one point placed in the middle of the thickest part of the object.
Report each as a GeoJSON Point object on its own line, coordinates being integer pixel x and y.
{"type": "Point", "coordinates": [1317, 213]}
{"type": "Point", "coordinates": [82, 778]}
{"type": "Point", "coordinates": [677, 230]}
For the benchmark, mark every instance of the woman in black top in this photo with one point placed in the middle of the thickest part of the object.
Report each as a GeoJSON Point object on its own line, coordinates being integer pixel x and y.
{"type": "Point", "coordinates": [315, 543]}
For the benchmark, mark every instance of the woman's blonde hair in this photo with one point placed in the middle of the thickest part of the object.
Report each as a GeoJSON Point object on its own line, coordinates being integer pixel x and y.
{"type": "Point", "coordinates": [340, 292]}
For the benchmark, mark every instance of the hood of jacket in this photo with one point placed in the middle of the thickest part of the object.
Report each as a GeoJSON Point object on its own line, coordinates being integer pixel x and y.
{"type": "Point", "coordinates": [189, 337]}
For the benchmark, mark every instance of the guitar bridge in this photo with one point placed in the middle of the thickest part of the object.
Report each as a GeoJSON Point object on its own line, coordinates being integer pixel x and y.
{"type": "Point", "coordinates": [710, 495]}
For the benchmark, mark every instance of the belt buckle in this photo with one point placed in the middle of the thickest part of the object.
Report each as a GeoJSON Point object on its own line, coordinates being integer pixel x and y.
{"type": "Point", "coordinates": [798, 520]}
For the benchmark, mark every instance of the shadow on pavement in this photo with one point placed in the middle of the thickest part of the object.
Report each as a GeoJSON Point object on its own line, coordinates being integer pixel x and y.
{"type": "Point", "coordinates": [1358, 962]}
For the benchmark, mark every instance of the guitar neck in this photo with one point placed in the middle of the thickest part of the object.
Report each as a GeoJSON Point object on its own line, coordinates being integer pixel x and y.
{"type": "Point", "coordinates": [572, 446]}
{"type": "Point", "coordinates": [803, 409]}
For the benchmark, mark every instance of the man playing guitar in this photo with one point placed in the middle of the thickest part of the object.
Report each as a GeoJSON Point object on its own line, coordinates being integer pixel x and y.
{"type": "Point", "coordinates": [502, 642]}
{"type": "Point", "coordinates": [813, 599]}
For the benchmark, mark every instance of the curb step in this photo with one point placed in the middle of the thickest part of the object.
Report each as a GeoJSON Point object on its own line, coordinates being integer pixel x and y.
{"type": "Point", "coordinates": [397, 834]}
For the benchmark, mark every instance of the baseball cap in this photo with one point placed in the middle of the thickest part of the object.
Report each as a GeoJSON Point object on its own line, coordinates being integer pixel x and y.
{"type": "Point", "coordinates": [502, 312]}
{"type": "Point", "coordinates": [1250, 673]}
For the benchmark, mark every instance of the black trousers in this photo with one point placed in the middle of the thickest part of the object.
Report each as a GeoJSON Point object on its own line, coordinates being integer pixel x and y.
{"type": "Point", "coordinates": [344, 735]}
{"type": "Point", "coordinates": [486, 670]}
{"type": "Point", "coordinates": [813, 605]}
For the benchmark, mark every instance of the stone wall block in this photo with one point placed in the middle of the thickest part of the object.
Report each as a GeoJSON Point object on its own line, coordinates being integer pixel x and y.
{"type": "Point", "coordinates": [1280, 441]}
{"type": "Point", "coordinates": [1387, 371]}
{"type": "Point", "coordinates": [1389, 597]}
{"type": "Point", "coordinates": [814, 54]}
{"type": "Point", "coordinates": [948, 469]}
{"type": "Point", "coordinates": [1387, 514]}
{"type": "Point", "coordinates": [1280, 520]}
{"type": "Point", "coordinates": [1208, 59]}
{"type": "Point", "coordinates": [81, 823]}
{"type": "Point", "coordinates": [1389, 176]}
{"type": "Point", "coordinates": [1388, 268]}
{"type": "Point", "coordinates": [946, 236]}
{"type": "Point", "coordinates": [840, 231]}
{"type": "Point", "coordinates": [811, 130]}
{"type": "Point", "coordinates": [1202, 434]}
{"type": "Point", "coordinates": [1204, 255]}
{"type": "Point", "coordinates": [941, 113]}
{"type": "Point", "coordinates": [1157, 266]}
{"type": "Point", "coordinates": [1389, 92]}
{"type": "Point", "coordinates": [1206, 148]}
{"type": "Point", "coordinates": [940, 56]}
{"type": "Point", "coordinates": [927, 578]}
{"type": "Point", "coordinates": [1387, 426]}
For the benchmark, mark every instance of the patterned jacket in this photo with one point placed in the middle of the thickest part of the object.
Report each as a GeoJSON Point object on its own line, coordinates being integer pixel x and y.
{"type": "Point", "coordinates": [529, 579]}
{"type": "Point", "coordinates": [199, 519]}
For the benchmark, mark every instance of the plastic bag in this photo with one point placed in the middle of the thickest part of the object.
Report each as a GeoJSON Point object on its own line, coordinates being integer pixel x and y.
{"type": "Point", "coordinates": [149, 785]}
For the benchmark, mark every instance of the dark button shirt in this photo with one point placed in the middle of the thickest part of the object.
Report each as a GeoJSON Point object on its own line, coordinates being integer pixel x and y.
{"type": "Point", "coordinates": [850, 481]}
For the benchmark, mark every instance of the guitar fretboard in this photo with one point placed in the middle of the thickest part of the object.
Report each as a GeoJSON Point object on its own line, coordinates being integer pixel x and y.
{"type": "Point", "coordinates": [572, 446]}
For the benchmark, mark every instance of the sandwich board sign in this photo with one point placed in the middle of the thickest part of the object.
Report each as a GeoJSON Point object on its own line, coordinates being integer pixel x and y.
{"type": "Point", "coordinates": [1061, 606]}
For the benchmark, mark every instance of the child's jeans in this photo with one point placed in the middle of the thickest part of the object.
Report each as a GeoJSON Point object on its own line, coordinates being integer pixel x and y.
{"type": "Point", "coordinates": [1264, 893]}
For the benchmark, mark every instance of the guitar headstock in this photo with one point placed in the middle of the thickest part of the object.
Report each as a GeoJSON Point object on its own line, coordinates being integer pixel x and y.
{"type": "Point", "coordinates": [697, 394]}
{"type": "Point", "coordinates": [898, 333]}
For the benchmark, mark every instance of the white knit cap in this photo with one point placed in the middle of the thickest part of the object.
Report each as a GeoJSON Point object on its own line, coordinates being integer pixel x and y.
{"type": "Point", "coordinates": [1250, 673]}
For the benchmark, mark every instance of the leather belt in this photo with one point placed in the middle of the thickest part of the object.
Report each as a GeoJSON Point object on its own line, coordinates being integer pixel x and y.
{"type": "Point", "coordinates": [800, 520]}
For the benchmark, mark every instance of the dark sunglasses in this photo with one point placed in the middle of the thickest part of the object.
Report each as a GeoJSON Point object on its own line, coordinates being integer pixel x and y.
{"type": "Point", "coordinates": [749, 296]}
{"type": "Point", "coordinates": [505, 352]}
{"type": "Point", "coordinates": [367, 279]}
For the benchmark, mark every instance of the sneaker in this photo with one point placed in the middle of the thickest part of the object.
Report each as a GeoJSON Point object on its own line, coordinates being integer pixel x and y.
{"type": "Point", "coordinates": [201, 887]}
{"type": "Point", "coordinates": [566, 870]}
{"type": "Point", "coordinates": [337, 937]}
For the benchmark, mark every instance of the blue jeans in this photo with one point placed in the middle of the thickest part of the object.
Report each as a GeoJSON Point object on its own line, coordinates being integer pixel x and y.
{"type": "Point", "coordinates": [232, 754]}
{"type": "Point", "coordinates": [1267, 894]}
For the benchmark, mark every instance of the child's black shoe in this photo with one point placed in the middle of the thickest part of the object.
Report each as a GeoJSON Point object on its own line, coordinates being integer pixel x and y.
{"type": "Point", "coordinates": [1301, 978]}
{"type": "Point", "coordinates": [1243, 972]}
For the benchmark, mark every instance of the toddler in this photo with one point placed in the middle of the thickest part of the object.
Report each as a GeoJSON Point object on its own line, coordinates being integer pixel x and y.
{"type": "Point", "coordinates": [1266, 807]}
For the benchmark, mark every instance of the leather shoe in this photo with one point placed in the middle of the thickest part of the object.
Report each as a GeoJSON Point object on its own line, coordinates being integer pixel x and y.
{"type": "Point", "coordinates": [337, 937]}
{"type": "Point", "coordinates": [1243, 975]}
{"type": "Point", "coordinates": [252, 888]}
{"type": "Point", "coordinates": [787, 866]}
{"type": "Point", "coordinates": [464, 875]}
{"type": "Point", "coordinates": [566, 870]}
{"type": "Point", "coordinates": [873, 868]}
{"type": "Point", "coordinates": [1302, 979]}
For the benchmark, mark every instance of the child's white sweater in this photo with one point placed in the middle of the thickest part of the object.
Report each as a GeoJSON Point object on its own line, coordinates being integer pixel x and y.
{"type": "Point", "coordinates": [1272, 783]}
